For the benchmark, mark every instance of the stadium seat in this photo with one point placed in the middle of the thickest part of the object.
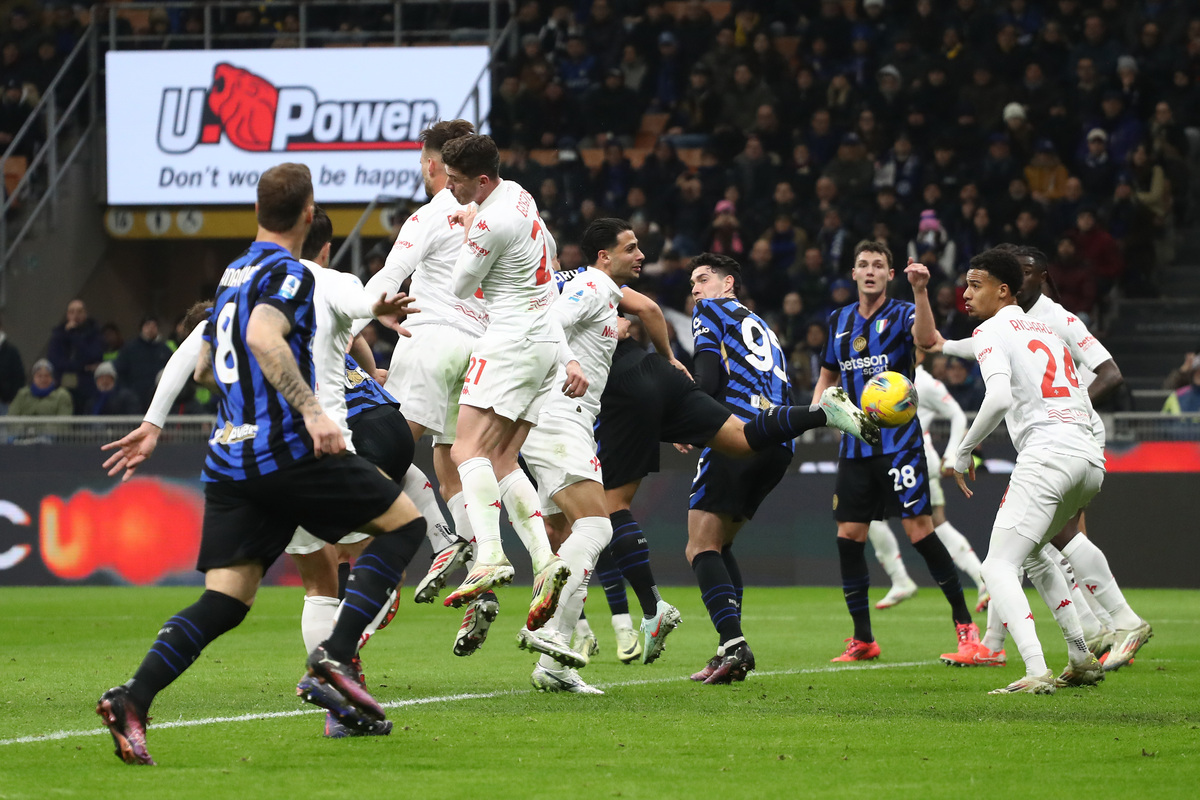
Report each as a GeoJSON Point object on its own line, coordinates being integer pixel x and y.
{"type": "Point", "coordinates": [14, 170]}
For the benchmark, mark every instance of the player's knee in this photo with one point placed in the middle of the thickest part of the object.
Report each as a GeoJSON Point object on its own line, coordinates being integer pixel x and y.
{"type": "Point", "coordinates": [995, 569]}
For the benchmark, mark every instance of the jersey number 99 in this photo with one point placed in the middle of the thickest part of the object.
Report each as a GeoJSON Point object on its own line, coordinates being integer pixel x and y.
{"type": "Point", "coordinates": [761, 344]}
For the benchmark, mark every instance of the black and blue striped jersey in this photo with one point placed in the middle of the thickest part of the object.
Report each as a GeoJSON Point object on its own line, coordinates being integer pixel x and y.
{"type": "Point", "coordinates": [363, 392]}
{"type": "Point", "coordinates": [862, 348]}
{"type": "Point", "coordinates": [754, 371]}
{"type": "Point", "coordinates": [257, 432]}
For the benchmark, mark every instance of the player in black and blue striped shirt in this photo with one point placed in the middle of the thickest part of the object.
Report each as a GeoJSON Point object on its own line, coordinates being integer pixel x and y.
{"type": "Point", "coordinates": [889, 479]}
{"type": "Point", "coordinates": [276, 461]}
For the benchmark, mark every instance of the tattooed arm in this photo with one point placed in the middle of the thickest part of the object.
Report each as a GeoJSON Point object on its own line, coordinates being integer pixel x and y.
{"type": "Point", "coordinates": [266, 337]}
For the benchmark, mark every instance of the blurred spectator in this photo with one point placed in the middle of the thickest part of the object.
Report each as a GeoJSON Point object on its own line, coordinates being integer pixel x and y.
{"type": "Point", "coordinates": [726, 236]}
{"type": "Point", "coordinates": [1186, 399]}
{"type": "Point", "coordinates": [804, 363]}
{"type": "Point", "coordinates": [669, 74]}
{"type": "Point", "coordinates": [514, 114]}
{"type": "Point", "coordinates": [559, 116]}
{"type": "Point", "coordinates": [740, 103]}
{"type": "Point", "coordinates": [658, 173]}
{"type": "Point", "coordinates": [12, 370]}
{"type": "Point", "coordinates": [933, 247]}
{"type": "Point", "coordinates": [945, 170]}
{"type": "Point", "coordinates": [720, 60]}
{"type": "Point", "coordinates": [979, 236]}
{"type": "Point", "coordinates": [755, 173]}
{"type": "Point", "coordinates": [141, 360]}
{"type": "Point", "coordinates": [1097, 45]}
{"type": "Point", "coordinates": [613, 108]}
{"type": "Point", "coordinates": [834, 240]}
{"type": "Point", "coordinates": [695, 30]}
{"type": "Point", "coordinates": [43, 397]}
{"type": "Point", "coordinates": [76, 349]}
{"type": "Point", "coordinates": [1016, 200]}
{"type": "Point", "coordinates": [813, 281]}
{"type": "Point", "coordinates": [111, 399]}
{"type": "Point", "coordinates": [521, 168]}
{"type": "Point", "coordinates": [762, 281]}
{"type": "Point", "coordinates": [851, 171]}
{"type": "Point", "coordinates": [767, 62]}
{"type": "Point", "coordinates": [997, 168]}
{"type": "Point", "coordinates": [775, 140]}
{"type": "Point", "coordinates": [1028, 230]}
{"type": "Point", "coordinates": [687, 215]}
{"type": "Point", "coordinates": [635, 71]}
{"type": "Point", "coordinates": [787, 242]}
{"type": "Point", "coordinates": [14, 111]}
{"type": "Point", "coordinates": [1099, 250]}
{"type": "Point", "coordinates": [605, 34]}
{"type": "Point", "coordinates": [952, 319]}
{"type": "Point", "coordinates": [1180, 376]}
{"type": "Point", "coordinates": [1020, 132]}
{"type": "Point", "coordinates": [1045, 175]}
{"type": "Point", "coordinates": [1124, 131]}
{"type": "Point", "coordinates": [900, 169]}
{"type": "Point", "coordinates": [792, 321]}
{"type": "Point", "coordinates": [962, 386]}
{"type": "Point", "coordinates": [699, 109]}
{"type": "Point", "coordinates": [821, 139]}
{"type": "Point", "coordinates": [113, 341]}
{"type": "Point", "coordinates": [1073, 278]}
{"type": "Point", "coordinates": [1096, 170]}
{"type": "Point", "coordinates": [577, 70]}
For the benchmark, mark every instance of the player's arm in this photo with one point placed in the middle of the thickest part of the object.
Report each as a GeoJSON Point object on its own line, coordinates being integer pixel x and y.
{"type": "Point", "coordinates": [567, 312]}
{"type": "Point", "coordinates": [203, 374]}
{"type": "Point", "coordinates": [360, 351]}
{"type": "Point", "coordinates": [349, 300]}
{"type": "Point", "coordinates": [997, 399]}
{"type": "Point", "coordinates": [959, 348]}
{"type": "Point", "coordinates": [480, 249]}
{"type": "Point", "coordinates": [924, 329]}
{"type": "Point", "coordinates": [1088, 352]}
{"type": "Point", "coordinates": [1108, 379]}
{"type": "Point", "coordinates": [707, 331]}
{"type": "Point", "coordinates": [831, 370]}
{"type": "Point", "coordinates": [651, 316]}
{"type": "Point", "coordinates": [402, 260]}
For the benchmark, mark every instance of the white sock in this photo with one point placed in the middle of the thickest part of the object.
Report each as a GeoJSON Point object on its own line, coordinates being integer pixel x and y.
{"type": "Point", "coordinates": [622, 622]}
{"type": "Point", "coordinates": [525, 515]}
{"type": "Point", "coordinates": [961, 551]}
{"type": "Point", "coordinates": [1092, 627]}
{"type": "Point", "coordinates": [1096, 581]}
{"type": "Point", "coordinates": [1045, 576]}
{"type": "Point", "coordinates": [887, 550]}
{"type": "Point", "coordinates": [419, 489]}
{"type": "Point", "coordinates": [589, 536]}
{"type": "Point", "coordinates": [1002, 569]}
{"type": "Point", "coordinates": [993, 638]}
{"type": "Point", "coordinates": [583, 628]}
{"type": "Point", "coordinates": [316, 620]}
{"type": "Point", "coordinates": [462, 523]}
{"type": "Point", "coordinates": [481, 501]}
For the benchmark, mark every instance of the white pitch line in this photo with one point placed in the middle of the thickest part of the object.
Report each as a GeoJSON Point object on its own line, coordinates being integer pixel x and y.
{"type": "Point", "coordinates": [421, 701]}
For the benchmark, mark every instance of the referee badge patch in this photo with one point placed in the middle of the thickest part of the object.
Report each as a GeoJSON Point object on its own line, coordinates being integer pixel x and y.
{"type": "Point", "coordinates": [859, 343]}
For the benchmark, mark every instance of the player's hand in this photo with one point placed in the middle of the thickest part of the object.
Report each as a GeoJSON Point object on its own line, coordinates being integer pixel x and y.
{"type": "Point", "coordinates": [918, 274]}
{"type": "Point", "coordinates": [938, 342]}
{"type": "Point", "coordinates": [132, 449]}
{"type": "Point", "coordinates": [674, 362]}
{"type": "Point", "coordinates": [326, 435]}
{"type": "Point", "coordinates": [961, 479]}
{"type": "Point", "coordinates": [466, 218]}
{"type": "Point", "coordinates": [380, 376]}
{"type": "Point", "coordinates": [683, 448]}
{"type": "Point", "coordinates": [394, 309]}
{"type": "Point", "coordinates": [576, 383]}
{"type": "Point", "coordinates": [947, 471]}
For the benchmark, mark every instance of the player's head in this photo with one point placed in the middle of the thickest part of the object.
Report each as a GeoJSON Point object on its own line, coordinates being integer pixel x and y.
{"type": "Point", "coordinates": [319, 239]}
{"type": "Point", "coordinates": [285, 199]}
{"type": "Point", "coordinates": [199, 312]}
{"type": "Point", "coordinates": [872, 268]}
{"type": "Point", "coordinates": [609, 244]}
{"type": "Point", "coordinates": [714, 275]}
{"type": "Point", "coordinates": [472, 167]}
{"type": "Point", "coordinates": [993, 282]}
{"type": "Point", "coordinates": [1035, 271]}
{"type": "Point", "coordinates": [433, 139]}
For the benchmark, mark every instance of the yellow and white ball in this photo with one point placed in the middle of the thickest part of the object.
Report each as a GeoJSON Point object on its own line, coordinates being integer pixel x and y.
{"type": "Point", "coordinates": [890, 398]}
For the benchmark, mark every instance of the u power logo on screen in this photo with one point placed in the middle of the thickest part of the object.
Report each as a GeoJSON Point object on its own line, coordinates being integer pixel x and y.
{"type": "Point", "coordinates": [259, 116]}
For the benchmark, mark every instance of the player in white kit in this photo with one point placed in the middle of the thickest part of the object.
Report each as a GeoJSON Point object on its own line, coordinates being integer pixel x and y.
{"type": "Point", "coordinates": [1031, 383]}
{"type": "Point", "coordinates": [512, 370]}
{"type": "Point", "coordinates": [933, 402]}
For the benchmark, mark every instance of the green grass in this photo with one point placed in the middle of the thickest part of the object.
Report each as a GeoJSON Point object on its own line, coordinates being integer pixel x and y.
{"type": "Point", "coordinates": [800, 727]}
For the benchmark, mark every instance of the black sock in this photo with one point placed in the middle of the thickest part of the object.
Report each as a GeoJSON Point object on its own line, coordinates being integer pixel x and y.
{"type": "Point", "coordinates": [735, 573]}
{"type": "Point", "coordinates": [718, 594]}
{"type": "Point", "coordinates": [180, 641]}
{"type": "Point", "coordinates": [782, 424]}
{"type": "Point", "coordinates": [632, 555]}
{"type": "Point", "coordinates": [376, 573]}
{"type": "Point", "coordinates": [856, 578]}
{"type": "Point", "coordinates": [941, 567]}
{"type": "Point", "coordinates": [343, 576]}
{"type": "Point", "coordinates": [609, 575]}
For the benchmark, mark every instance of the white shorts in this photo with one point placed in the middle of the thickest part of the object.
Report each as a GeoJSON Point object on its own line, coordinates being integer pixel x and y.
{"type": "Point", "coordinates": [512, 377]}
{"type": "Point", "coordinates": [1046, 489]}
{"type": "Point", "coordinates": [426, 376]}
{"type": "Point", "coordinates": [304, 543]}
{"type": "Point", "coordinates": [1098, 431]}
{"type": "Point", "coordinates": [934, 463]}
{"type": "Point", "coordinates": [561, 452]}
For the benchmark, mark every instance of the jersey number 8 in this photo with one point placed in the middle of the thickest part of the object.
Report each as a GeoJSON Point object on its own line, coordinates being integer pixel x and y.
{"type": "Point", "coordinates": [225, 362]}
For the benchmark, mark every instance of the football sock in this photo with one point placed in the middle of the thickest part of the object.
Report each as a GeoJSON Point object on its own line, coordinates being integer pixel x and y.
{"type": "Point", "coordinates": [180, 641]}
{"type": "Point", "coordinates": [589, 536]}
{"type": "Point", "coordinates": [1002, 572]}
{"type": "Point", "coordinates": [481, 501]}
{"type": "Point", "coordinates": [1045, 576]}
{"type": "Point", "coordinates": [941, 567]}
{"type": "Point", "coordinates": [583, 628]}
{"type": "Point", "coordinates": [343, 576]}
{"type": "Point", "coordinates": [613, 583]}
{"type": "Point", "coordinates": [961, 551]}
{"type": "Point", "coordinates": [374, 624]}
{"type": "Point", "coordinates": [1092, 626]}
{"type": "Point", "coordinates": [375, 576]}
{"type": "Point", "coordinates": [782, 424]}
{"type": "Point", "coordinates": [887, 550]}
{"type": "Point", "coordinates": [458, 513]}
{"type": "Point", "coordinates": [1096, 579]}
{"type": "Point", "coordinates": [419, 489]}
{"type": "Point", "coordinates": [632, 555]}
{"type": "Point", "coordinates": [856, 578]}
{"type": "Point", "coordinates": [622, 622]}
{"type": "Point", "coordinates": [717, 592]}
{"type": "Point", "coordinates": [525, 515]}
{"type": "Point", "coordinates": [993, 638]}
{"type": "Point", "coordinates": [316, 620]}
{"type": "Point", "coordinates": [735, 574]}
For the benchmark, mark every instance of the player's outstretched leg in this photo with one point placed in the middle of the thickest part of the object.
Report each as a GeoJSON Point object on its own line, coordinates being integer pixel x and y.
{"type": "Point", "coordinates": [887, 551]}
{"type": "Point", "coordinates": [835, 409]}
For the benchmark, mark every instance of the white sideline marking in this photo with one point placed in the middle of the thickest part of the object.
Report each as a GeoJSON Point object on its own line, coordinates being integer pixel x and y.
{"type": "Point", "coordinates": [421, 701]}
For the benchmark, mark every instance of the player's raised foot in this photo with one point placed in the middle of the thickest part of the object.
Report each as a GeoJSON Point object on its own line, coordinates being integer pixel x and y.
{"type": "Point", "coordinates": [585, 644]}
{"type": "Point", "coordinates": [544, 642]}
{"type": "Point", "coordinates": [736, 663]}
{"type": "Point", "coordinates": [127, 724]}
{"type": "Point", "coordinates": [444, 564]}
{"type": "Point", "coordinates": [629, 645]}
{"type": "Point", "coordinates": [1128, 642]}
{"type": "Point", "coordinates": [476, 622]}
{"type": "Point", "coordinates": [344, 676]}
{"type": "Point", "coordinates": [982, 599]}
{"type": "Point", "coordinates": [348, 719]}
{"type": "Point", "coordinates": [968, 643]}
{"type": "Point", "coordinates": [479, 580]}
{"type": "Point", "coordinates": [842, 413]}
{"type": "Point", "coordinates": [980, 656]}
{"type": "Point", "coordinates": [858, 651]}
{"type": "Point", "coordinates": [1102, 642]}
{"type": "Point", "coordinates": [547, 586]}
{"type": "Point", "coordinates": [560, 680]}
{"type": "Point", "coordinates": [898, 594]}
{"type": "Point", "coordinates": [654, 630]}
{"type": "Point", "coordinates": [1030, 684]}
{"type": "Point", "coordinates": [1089, 673]}
{"type": "Point", "coordinates": [708, 669]}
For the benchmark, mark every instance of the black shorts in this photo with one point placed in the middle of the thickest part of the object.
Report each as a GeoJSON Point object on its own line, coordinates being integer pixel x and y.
{"type": "Point", "coordinates": [381, 435]}
{"type": "Point", "coordinates": [891, 485]}
{"type": "Point", "coordinates": [648, 403]}
{"type": "Point", "coordinates": [737, 486]}
{"type": "Point", "coordinates": [254, 519]}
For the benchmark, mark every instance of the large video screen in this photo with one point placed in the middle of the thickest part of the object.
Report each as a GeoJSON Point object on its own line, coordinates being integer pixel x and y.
{"type": "Point", "coordinates": [199, 127]}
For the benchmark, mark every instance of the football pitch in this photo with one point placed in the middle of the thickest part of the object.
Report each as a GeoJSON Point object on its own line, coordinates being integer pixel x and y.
{"type": "Point", "coordinates": [903, 726]}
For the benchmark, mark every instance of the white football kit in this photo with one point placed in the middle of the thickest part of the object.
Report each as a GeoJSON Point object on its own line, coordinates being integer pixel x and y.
{"type": "Point", "coordinates": [508, 255]}
{"type": "Point", "coordinates": [561, 450]}
{"type": "Point", "coordinates": [935, 402]}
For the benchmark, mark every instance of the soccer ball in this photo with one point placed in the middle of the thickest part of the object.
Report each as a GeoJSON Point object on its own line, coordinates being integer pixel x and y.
{"type": "Point", "coordinates": [890, 399]}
